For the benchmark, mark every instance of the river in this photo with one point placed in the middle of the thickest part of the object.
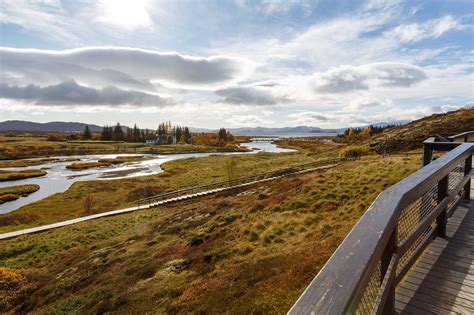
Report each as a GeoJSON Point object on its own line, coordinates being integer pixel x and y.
{"type": "Point", "coordinates": [59, 179]}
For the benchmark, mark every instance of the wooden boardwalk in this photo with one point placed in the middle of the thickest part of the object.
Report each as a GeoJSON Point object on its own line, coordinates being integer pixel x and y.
{"type": "Point", "coordinates": [60, 224]}
{"type": "Point", "coordinates": [442, 281]}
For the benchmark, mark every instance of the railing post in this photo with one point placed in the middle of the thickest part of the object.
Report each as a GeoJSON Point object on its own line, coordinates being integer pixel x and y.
{"type": "Point", "coordinates": [441, 219]}
{"type": "Point", "coordinates": [467, 169]}
{"type": "Point", "coordinates": [427, 154]}
{"type": "Point", "coordinates": [389, 306]}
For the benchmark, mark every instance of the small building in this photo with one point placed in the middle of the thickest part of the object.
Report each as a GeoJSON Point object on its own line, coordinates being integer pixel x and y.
{"type": "Point", "coordinates": [163, 139]}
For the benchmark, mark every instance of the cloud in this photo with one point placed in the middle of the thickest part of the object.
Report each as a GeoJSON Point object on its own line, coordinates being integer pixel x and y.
{"type": "Point", "coordinates": [249, 95]}
{"type": "Point", "coordinates": [121, 67]}
{"type": "Point", "coordinates": [71, 93]}
{"type": "Point", "coordinates": [350, 78]}
{"type": "Point", "coordinates": [127, 14]}
{"type": "Point", "coordinates": [246, 121]}
{"type": "Point", "coordinates": [431, 29]}
{"type": "Point", "coordinates": [270, 7]}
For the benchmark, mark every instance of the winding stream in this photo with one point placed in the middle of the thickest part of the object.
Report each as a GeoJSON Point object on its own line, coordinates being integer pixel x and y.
{"type": "Point", "coordinates": [59, 179]}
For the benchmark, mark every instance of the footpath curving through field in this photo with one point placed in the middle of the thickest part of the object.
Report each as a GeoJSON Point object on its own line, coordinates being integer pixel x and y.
{"type": "Point", "coordinates": [46, 227]}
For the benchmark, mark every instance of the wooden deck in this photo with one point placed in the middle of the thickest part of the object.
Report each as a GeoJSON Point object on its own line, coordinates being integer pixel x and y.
{"type": "Point", "coordinates": [442, 281]}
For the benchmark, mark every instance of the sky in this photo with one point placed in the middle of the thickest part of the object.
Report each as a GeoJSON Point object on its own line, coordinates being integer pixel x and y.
{"type": "Point", "coordinates": [235, 63]}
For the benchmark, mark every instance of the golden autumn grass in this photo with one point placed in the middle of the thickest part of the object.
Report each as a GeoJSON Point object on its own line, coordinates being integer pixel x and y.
{"type": "Point", "coordinates": [14, 192]}
{"type": "Point", "coordinates": [251, 252]}
{"type": "Point", "coordinates": [116, 194]}
{"type": "Point", "coordinates": [6, 175]}
{"type": "Point", "coordinates": [18, 146]}
{"type": "Point", "coordinates": [104, 162]}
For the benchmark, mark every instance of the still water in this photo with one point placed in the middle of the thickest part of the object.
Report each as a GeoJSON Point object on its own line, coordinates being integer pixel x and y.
{"type": "Point", "coordinates": [59, 178]}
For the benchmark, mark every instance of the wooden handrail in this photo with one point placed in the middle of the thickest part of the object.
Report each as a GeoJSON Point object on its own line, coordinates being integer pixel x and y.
{"type": "Point", "coordinates": [433, 144]}
{"type": "Point", "coordinates": [236, 181]}
{"type": "Point", "coordinates": [341, 283]}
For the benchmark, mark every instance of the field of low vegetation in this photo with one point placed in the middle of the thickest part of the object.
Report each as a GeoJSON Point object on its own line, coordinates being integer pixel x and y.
{"type": "Point", "coordinates": [27, 162]}
{"type": "Point", "coordinates": [115, 194]}
{"type": "Point", "coordinates": [27, 145]}
{"type": "Point", "coordinates": [104, 162]}
{"type": "Point", "coordinates": [250, 252]}
{"type": "Point", "coordinates": [16, 175]}
{"type": "Point", "coordinates": [15, 192]}
{"type": "Point", "coordinates": [314, 146]}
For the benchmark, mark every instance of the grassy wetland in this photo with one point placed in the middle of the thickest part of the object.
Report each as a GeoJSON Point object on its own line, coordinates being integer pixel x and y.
{"type": "Point", "coordinates": [115, 194]}
{"type": "Point", "coordinates": [23, 174]}
{"type": "Point", "coordinates": [254, 251]}
{"type": "Point", "coordinates": [15, 192]}
{"type": "Point", "coordinates": [27, 145]}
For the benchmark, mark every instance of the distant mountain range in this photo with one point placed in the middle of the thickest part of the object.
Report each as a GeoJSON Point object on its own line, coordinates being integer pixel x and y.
{"type": "Point", "coordinates": [299, 130]}
{"type": "Point", "coordinates": [59, 126]}
{"type": "Point", "coordinates": [55, 126]}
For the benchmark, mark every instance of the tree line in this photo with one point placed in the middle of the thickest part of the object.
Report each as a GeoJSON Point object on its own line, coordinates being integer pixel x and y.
{"type": "Point", "coordinates": [135, 134]}
{"type": "Point", "coordinates": [165, 129]}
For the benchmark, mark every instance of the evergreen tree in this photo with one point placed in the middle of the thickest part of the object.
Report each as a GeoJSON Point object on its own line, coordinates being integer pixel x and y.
{"type": "Point", "coordinates": [187, 135]}
{"type": "Point", "coordinates": [118, 133]}
{"type": "Point", "coordinates": [222, 134]}
{"type": "Point", "coordinates": [179, 133]}
{"type": "Point", "coordinates": [129, 135]}
{"type": "Point", "coordinates": [136, 134]}
{"type": "Point", "coordinates": [106, 134]}
{"type": "Point", "coordinates": [87, 133]}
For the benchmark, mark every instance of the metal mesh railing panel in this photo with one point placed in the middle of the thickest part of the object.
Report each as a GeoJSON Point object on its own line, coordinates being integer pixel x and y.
{"type": "Point", "coordinates": [414, 247]}
{"type": "Point", "coordinates": [454, 178]}
{"type": "Point", "coordinates": [411, 216]}
{"type": "Point", "coordinates": [369, 297]}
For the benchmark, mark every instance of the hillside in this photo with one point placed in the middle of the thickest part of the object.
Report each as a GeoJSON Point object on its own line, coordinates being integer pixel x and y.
{"type": "Point", "coordinates": [411, 136]}
{"type": "Point", "coordinates": [55, 126]}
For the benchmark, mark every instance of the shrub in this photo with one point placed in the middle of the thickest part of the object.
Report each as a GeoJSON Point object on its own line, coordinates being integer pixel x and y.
{"type": "Point", "coordinates": [355, 151]}
{"type": "Point", "coordinates": [89, 203]}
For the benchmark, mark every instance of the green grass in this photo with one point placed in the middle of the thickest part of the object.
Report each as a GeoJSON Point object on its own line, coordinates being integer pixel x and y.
{"type": "Point", "coordinates": [250, 252]}
{"type": "Point", "coordinates": [16, 175]}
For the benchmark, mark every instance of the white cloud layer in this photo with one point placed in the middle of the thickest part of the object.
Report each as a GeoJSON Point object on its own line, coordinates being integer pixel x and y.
{"type": "Point", "coordinates": [71, 93]}
{"type": "Point", "coordinates": [382, 60]}
{"type": "Point", "coordinates": [121, 67]}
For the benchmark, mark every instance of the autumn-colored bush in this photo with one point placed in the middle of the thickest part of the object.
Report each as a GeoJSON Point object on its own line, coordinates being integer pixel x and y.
{"type": "Point", "coordinates": [56, 137]}
{"type": "Point", "coordinates": [355, 151]}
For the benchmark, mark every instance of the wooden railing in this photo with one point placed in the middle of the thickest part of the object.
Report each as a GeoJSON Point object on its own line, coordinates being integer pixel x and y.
{"type": "Point", "coordinates": [444, 144]}
{"type": "Point", "coordinates": [362, 274]}
{"type": "Point", "coordinates": [234, 182]}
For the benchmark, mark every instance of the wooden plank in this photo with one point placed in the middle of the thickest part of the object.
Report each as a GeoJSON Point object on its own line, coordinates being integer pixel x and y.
{"type": "Point", "coordinates": [422, 272]}
{"type": "Point", "coordinates": [449, 302]}
{"type": "Point", "coordinates": [443, 282]}
{"type": "Point", "coordinates": [451, 252]}
{"type": "Point", "coordinates": [424, 302]}
{"type": "Point", "coordinates": [443, 287]}
{"type": "Point", "coordinates": [459, 248]}
{"type": "Point", "coordinates": [449, 259]}
{"type": "Point", "coordinates": [456, 265]}
{"type": "Point", "coordinates": [431, 303]}
{"type": "Point", "coordinates": [403, 308]}
{"type": "Point", "coordinates": [447, 266]}
{"type": "Point", "coordinates": [441, 270]}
